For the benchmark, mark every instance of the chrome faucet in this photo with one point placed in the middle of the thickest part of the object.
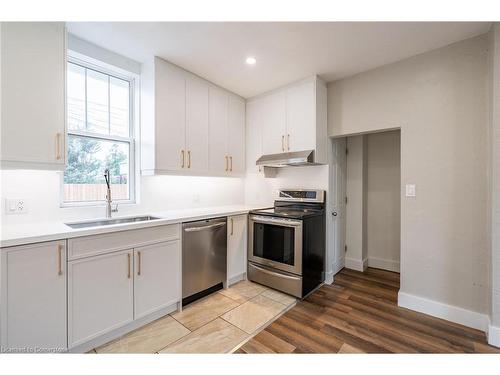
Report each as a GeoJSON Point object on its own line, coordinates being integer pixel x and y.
{"type": "Point", "coordinates": [109, 210]}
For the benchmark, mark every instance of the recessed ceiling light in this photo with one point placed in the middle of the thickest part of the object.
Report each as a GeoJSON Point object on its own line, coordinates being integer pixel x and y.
{"type": "Point", "coordinates": [251, 60]}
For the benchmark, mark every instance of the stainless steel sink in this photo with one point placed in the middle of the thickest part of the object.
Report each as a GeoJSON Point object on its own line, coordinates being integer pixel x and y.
{"type": "Point", "coordinates": [101, 222]}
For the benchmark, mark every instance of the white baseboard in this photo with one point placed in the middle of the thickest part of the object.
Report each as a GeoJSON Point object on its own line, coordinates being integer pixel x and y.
{"type": "Point", "coordinates": [356, 264]}
{"type": "Point", "coordinates": [338, 265]}
{"type": "Point", "coordinates": [494, 336]}
{"type": "Point", "coordinates": [329, 277]}
{"type": "Point", "coordinates": [385, 264]}
{"type": "Point", "coordinates": [237, 278]}
{"type": "Point", "coordinates": [454, 314]}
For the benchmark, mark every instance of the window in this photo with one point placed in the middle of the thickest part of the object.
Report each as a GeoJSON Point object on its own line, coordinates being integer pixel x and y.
{"type": "Point", "coordinates": [100, 135]}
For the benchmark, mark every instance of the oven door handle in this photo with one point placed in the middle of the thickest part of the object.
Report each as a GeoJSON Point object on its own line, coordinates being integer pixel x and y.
{"type": "Point", "coordinates": [279, 274]}
{"type": "Point", "coordinates": [287, 223]}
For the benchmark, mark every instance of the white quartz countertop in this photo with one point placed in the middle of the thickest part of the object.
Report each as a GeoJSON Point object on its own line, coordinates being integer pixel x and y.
{"type": "Point", "coordinates": [32, 232]}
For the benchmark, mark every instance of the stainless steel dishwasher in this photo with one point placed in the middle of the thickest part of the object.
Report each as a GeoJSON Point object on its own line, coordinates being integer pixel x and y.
{"type": "Point", "coordinates": [204, 258]}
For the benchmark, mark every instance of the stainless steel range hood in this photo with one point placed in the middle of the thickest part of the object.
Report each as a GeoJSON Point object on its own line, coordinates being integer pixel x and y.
{"type": "Point", "coordinates": [286, 159]}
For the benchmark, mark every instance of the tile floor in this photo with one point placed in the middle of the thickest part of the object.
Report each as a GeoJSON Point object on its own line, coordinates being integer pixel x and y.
{"type": "Point", "coordinates": [218, 323]}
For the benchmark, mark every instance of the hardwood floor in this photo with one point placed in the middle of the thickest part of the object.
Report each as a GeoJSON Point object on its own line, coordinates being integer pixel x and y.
{"type": "Point", "coordinates": [359, 314]}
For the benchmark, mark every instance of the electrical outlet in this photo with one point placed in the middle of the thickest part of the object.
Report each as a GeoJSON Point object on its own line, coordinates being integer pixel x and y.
{"type": "Point", "coordinates": [196, 198]}
{"type": "Point", "coordinates": [15, 206]}
{"type": "Point", "coordinates": [411, 190]}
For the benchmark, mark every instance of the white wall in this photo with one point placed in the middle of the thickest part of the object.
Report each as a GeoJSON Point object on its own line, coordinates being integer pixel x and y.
{"type": "Point", "coordinates": [41, 189]}
{"type": "Point", "coordinates": [494, 192]}
{"type": "Point", "coordinates": [356, 180]}
{"type": "Point", "coordinates": [439, 100]}
{"type": "Point", "coordinates": [383, 200]}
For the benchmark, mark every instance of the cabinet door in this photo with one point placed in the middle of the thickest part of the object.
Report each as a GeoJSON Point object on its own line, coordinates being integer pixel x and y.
{"type": "Point", "coordinates": [196, 125]}
{"type": "Point", "coordinates": [273, 123]}
{"type": "Point", "coordinates": [236, 135]}
{"type": "Point", "coordinates": [300, 117]}
{"type": "Point", "coordinates": [33, 94]}
{"type": "Point", "coordinates": [100, 295]}
{"type": "Point", "coordinates": [34, 296]}
{"type": "Point", "coordinates": [170, 117]}
{"type": "Point", "coordinates": [253, 134]}
{"type": "Point", "coordinates": [157, 279]}
{"type": "Point", "coordinates": [236, 247]}
{"type": "Point", "coordinates": [217, 115]}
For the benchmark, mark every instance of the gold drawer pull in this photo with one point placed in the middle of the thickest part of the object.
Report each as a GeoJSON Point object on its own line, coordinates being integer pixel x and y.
{"type": "Point", "coordinates": [139, 265]}
{"type": "Point", "coordinates": [232, 226]}
{"type": "Point", "coordinates": [231, 160]}
{"type": "Point", "coordinates": [283, 143]}
{"type": "Point", "coordinates": [58, 146]}
{"type": "Point", "coordinates": [182, 158]}
{"type": "Point", "coordinates": [189, 159]}
{"type": "Point", "coordinates": [59, 260]}
{"type": "Point", "coordinates": [288, 142]}
{"type": "Point", "coordinates": [128, 261]}
{"type": "Point", "coordinates": [226, 163]}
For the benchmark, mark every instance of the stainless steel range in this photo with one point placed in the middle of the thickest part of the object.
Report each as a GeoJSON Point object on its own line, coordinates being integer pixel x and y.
{"type": "Point", "coordinates": [287, 242]}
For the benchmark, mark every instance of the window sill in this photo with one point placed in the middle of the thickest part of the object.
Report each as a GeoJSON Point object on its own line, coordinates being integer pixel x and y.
{"type": "Point", "coordinates": [96, 204]}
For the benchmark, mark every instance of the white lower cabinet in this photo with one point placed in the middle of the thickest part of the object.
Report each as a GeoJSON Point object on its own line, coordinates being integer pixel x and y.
{"type": "Point", "coordinates": [236, 248]}
{"type": "Point", "coordinates": [109, 291]}
{"type": "Point", "coordinates": [33, 303]}
{"type": "Point", "coordinates": [100, 296]}
{"type": "Point", "coordinates": [157, 277]}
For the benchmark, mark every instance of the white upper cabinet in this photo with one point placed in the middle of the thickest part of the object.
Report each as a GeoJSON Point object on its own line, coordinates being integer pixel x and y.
{"type": "Point", "coordinates": [253, 135]}
{"type": "Point", "coordinates": [196, 125]}
{"type": "Point", "coordinates": [217, 114]}
{"type": "Point", "coordinates": [170, 112]}
{"type": "Point", "coordinates": [187, 124]}
{"type": "Point", "coordinates": [273, 117]}
{"type": "Point", "coordinates": [289, 119]}
{"type": "Point", "coordinates": [236, 135]}
{"type": "Point", "coordinates": [33, 116]}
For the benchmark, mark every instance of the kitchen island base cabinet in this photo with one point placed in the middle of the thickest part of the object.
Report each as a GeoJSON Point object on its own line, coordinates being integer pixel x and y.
{"type": "Point", "coordinates": [100, 295]}
{"type": "Point", "coordinates": [236, 248]}
{"type": "Point", "coordinates": [33, 303]}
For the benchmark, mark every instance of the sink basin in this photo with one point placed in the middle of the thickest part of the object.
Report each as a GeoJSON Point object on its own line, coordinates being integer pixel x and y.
{"type": "Point", "coordinates": [102, 222]}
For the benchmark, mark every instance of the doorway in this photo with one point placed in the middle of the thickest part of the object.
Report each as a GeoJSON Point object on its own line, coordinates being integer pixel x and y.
{"type": "Point", "coordinates": [365, 201]}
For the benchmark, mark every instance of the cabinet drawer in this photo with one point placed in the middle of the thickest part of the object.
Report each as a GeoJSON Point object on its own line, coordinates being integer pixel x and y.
{"type": "Point", "coordinates": [83, 247]}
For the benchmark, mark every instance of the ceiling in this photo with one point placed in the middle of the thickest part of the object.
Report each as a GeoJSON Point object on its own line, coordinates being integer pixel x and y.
{"type": "Point", "coordinates": [285, 51]}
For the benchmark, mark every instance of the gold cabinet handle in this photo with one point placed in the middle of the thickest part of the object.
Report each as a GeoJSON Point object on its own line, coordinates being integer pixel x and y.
{"type": "Point", "coordinates": [283, 143]}
{"type": "Point", "coordinates": [232, 226]}
{"type": "Point", "coordinates": [226, 163]}
{"type": "Point", "coordinates": [189, 159]}
{"type": "Point", "coordinates": [182, 158]}
{"type": "Point", "coordinates": [288, 142]}
{"type": "Point", "coordinates": [58, 146]}
{"type": "Point", "coordinates": [231, 163]}
{"type": "Point", "coordinates": [59, 259]}
{"type": "Point", "coordinates": [139, 265]}
{"type": "Point", "coordinates": [128, 262]}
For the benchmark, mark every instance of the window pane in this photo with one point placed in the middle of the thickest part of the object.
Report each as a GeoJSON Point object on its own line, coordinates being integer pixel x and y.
{"type": "Point", "coordinates": [97, 102]}
{"type": "Point", "coordinates": [87, 160]}
{"type": "Point", "coordinates": [76, 97]}
{"type": "Point", "coordinates": [119, 106]}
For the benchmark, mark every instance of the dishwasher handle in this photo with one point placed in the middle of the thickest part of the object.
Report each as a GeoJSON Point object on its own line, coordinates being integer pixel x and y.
{"type": "Point", "coordinates": [206, 227]}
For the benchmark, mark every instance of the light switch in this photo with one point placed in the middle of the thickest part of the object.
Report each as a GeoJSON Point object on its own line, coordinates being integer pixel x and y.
{"type": "Point", "coordinates": [410, 190]}
{"type": "Point", "coordinates": [15, 206]}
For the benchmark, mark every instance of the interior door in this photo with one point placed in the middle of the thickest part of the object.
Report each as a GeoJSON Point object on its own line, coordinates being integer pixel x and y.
{"type": "Point", "coordinates": [157, 277]}
{"type": "Point", "coordinates": [196, 124]}
{"type": "Point", "coordinates": [273, 120]}
{"type": "Point", "coordinates": [236, 135]}
{"type": "Point", "coordinates": [170, 110]}
{"type": "Point", "coordinates": [217, 123]}
{"type": "Point", "coordinates": [338, 203]}
{"type": "Point", "coordinates": [301, 117]}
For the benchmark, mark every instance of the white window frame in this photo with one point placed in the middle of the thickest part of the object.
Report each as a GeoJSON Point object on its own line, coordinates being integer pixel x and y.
{"type": "Point", "coordinates": [132, 140]}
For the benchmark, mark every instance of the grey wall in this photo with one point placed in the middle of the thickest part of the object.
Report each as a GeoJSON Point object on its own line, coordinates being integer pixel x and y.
{"type": "Point", "coordinates": [439, 100]}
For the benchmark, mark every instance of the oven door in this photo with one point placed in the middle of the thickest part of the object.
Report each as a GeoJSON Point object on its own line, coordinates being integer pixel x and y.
{"type": "Point", "coordinates": [275, 242]}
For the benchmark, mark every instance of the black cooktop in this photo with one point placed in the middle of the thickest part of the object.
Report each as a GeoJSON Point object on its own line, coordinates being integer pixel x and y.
{"type": "Point", "coordinates": [291, 212]}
